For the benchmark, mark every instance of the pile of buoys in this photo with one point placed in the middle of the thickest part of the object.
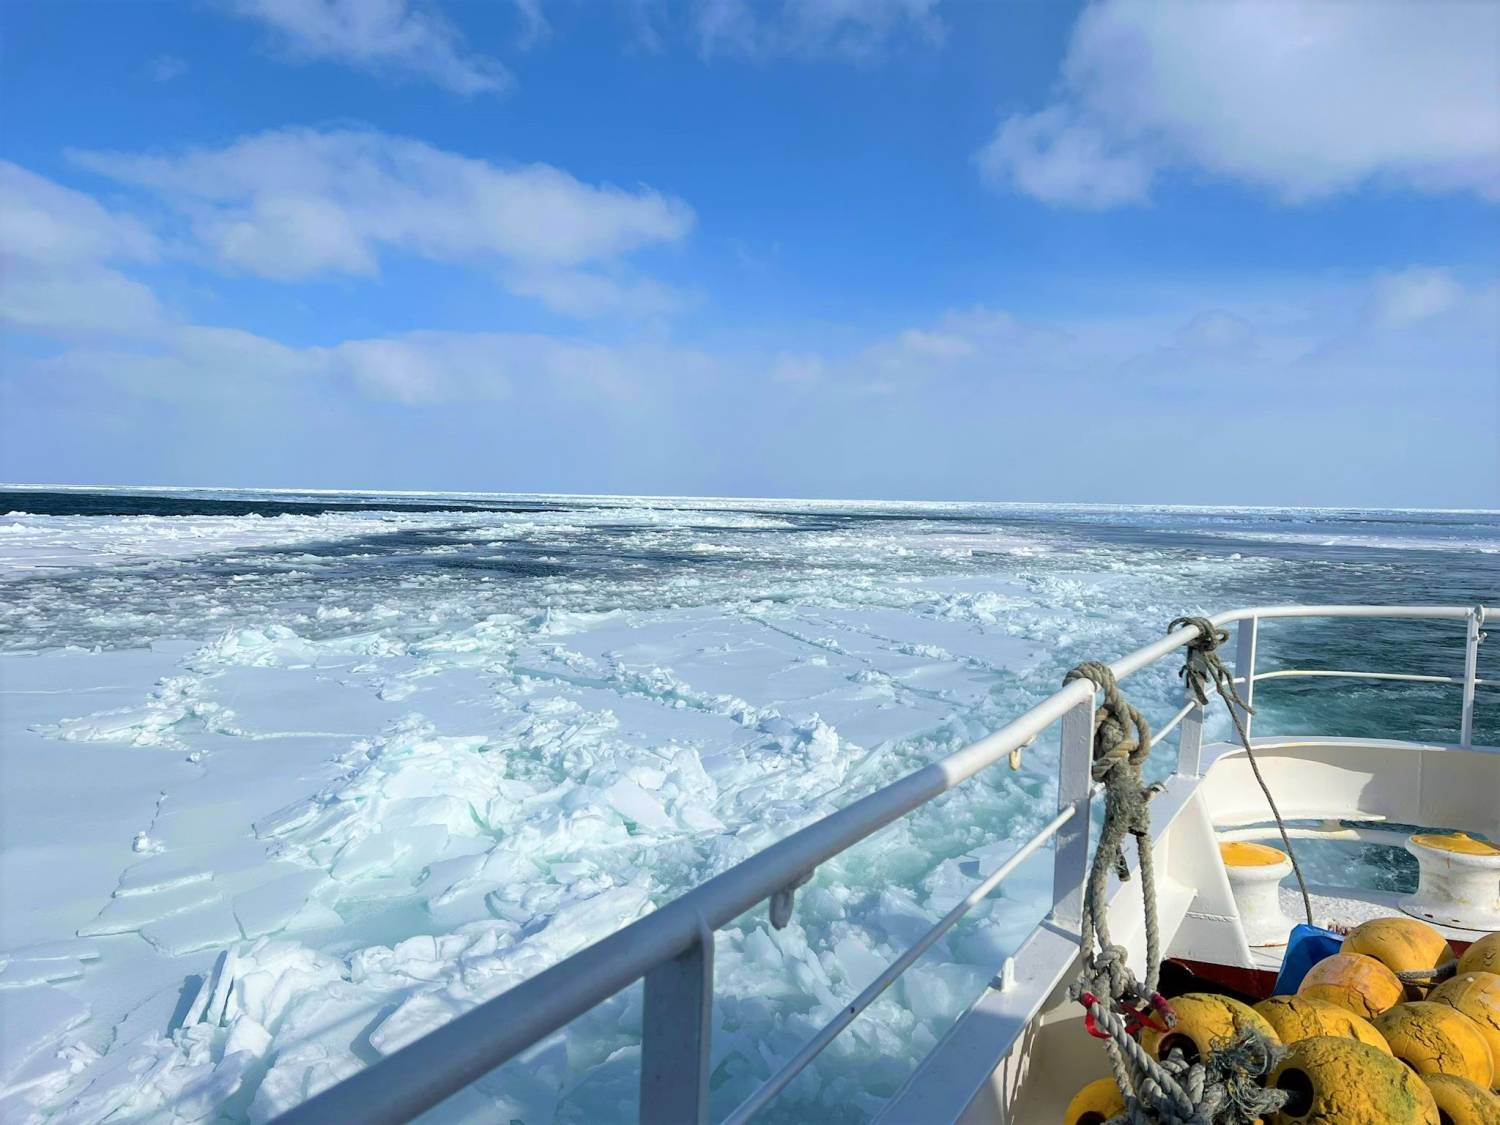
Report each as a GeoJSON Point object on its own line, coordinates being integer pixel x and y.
{"type": "Point", "coordinates": [1363, 1044]}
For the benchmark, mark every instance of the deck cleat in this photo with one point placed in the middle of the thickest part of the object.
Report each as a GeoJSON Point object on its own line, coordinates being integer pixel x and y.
{"type": "Point", "coordinates": [1255, 873]}
{"type": "Point", "coordinates": [1458, 882]}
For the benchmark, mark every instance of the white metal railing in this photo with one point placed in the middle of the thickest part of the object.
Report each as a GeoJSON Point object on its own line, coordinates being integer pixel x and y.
{"type": "Point", "coordinates": [672, 948]}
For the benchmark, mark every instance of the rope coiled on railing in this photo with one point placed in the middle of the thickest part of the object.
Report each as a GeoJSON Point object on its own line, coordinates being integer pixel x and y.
{"type": "Point", "coordinates": [1204, 669]}
{"type": "Point", "coordinates": [1225, 1087]}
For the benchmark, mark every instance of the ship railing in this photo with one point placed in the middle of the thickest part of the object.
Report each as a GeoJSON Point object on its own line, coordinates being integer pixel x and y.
{"type": "Point", "coordinates": [672, 948]}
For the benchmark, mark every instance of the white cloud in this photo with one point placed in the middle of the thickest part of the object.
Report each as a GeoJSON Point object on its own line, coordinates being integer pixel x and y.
{"type": "Point", "coordinates": [393, 37]}
{"type": "Point", "coordinates": [851, 28]}
{"type": "Point", "coordinates": [165, 68]}
{"type": "Point", "coordinates": [1414, 295]}
{"type": "Point", "coordinates": [798, 370]}
{"type": "Point", "coordinates": [534, 26]}
{"type": "Point", "coordinates": [299, 203]}
{"type": "Point", "coordinates": [1054, 156]}
{"type": "Point", "coordinates": [580, 293]}
{"type": "Point", "coordinates": [56, 246]}
{"type": "Point", "coordinates": [44, 223]}
{"type": "Point", "coordinates": [1302, 99]}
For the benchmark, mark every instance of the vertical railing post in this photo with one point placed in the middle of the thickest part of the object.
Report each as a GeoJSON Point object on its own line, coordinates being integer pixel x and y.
{"type": "Point", "coordinates": [1471, 674]}
{"type": "Point", "coordinates": [1074, 784]}
{"type": "Point", "coordinates": [1246, 637]}
{"type": "Point", "coordinates": [675, 1036]}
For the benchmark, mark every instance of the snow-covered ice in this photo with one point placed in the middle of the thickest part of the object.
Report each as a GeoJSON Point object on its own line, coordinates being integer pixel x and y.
{"type": "Point", "coordinates": [282, 793]}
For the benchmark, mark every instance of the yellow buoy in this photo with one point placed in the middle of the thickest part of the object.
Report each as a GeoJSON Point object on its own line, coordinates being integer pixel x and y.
{"type": "Point", "coordinates": [1331, 1080]}
{"type": "Point", "coordinates": [1460, 1102]}
{"type": "Point", "coordinates": [1302, 1017]}
{"type": "Point", "coordinates": [1354, 981]}
{"type": "Point", "coordinates": [1481, 957]}
{"type": "Point", "coordinates": [1401, 945]}
{"type": "Point", "coordinates": [1095, 1104]}
{"type": "Point", "coordinates": [1434, 1039]}
{"type": "Point", "coordinates": [1476, 995]}
{"type": "Point", "coordinates": [1203, 1022]}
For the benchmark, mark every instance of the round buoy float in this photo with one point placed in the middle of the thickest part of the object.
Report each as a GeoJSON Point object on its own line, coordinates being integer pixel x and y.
{"type": "Point", "coordinates": [1095, 1104]}
{"type": "Point", "coordinates": [1460, 1102]}
{"type": "Point", "coordinates": [1354, 981]}
{"type": "Point", "coordinates": [1302, 1017]}
{"type": "Point", "coordinates": [1401, 945]}
{"type": "Point", "coordinates": [1204, 1021]}
{"type": "Point", "coordinates": [1435, 1039]}
{"type": "Point", "coordinates": [1332, 1080]}
{"type": "Point", "coordinates": [1476, 995]}
{"type": "Point", "coordinates": [1481, 957]}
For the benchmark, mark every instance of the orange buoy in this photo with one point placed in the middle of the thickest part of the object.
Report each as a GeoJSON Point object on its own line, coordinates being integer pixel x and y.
{"type": "Point", "coordinates": [1401, 945]}
{"type": "Point", "coordinates": [1354, 981]}
{"type": "Point", "coordinates": [1302, 1017]}
{"type": "Point", "coordinates": [1095, 1104]}
{"type": "Point", "coordinates": [1435, 1039]}
{"type": "Point", "coordinates": [1481, 957]}
{"type": "Point", "coordinates": [1460, 1102]}
{"type": "Point", "coordinates": [1331, 1080]}
{"type": "Point", "coordinates": [1476, 995]}
{"type": "Point", "coordinates": [1204, 1021]}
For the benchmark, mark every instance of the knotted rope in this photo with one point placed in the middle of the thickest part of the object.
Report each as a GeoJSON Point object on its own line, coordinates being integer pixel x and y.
{"type": "Point", "coordinates": [1226, 1086]}
{"type": "Point", "coordinates": [1204, 669]}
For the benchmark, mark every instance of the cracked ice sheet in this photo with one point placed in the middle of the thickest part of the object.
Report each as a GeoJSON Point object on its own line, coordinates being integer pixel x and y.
{"type": "Point", "coordinates": [411, 785]}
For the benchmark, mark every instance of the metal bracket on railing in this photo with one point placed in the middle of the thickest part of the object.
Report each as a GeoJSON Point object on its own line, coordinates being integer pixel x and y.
{"type": "Point", "coordinates": [1006, 977]}
{"type": "Point", "coordinates": [783, 900]}
{"type": "Point", "coordinates": [1015, 755]}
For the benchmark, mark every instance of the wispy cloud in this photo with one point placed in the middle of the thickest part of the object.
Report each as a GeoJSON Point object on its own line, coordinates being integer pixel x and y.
{"type": "Point", "coordinates": [858, 29]}
{"type": "Point", "coordinates": [1303, 100]}
{"type": "Point", "coordinates": [58, 250]}
{"type": "Point", "coordinates": [980, 400]}
{"type": "Point", "coordinates": [166, 68]}
{"type": "Point", "coordinates": [300, 203]}
{"type": "Point", "coordinates": [392, 37]}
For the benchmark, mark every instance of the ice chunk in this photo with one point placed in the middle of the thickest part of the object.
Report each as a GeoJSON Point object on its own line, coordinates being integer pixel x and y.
{"type": "Point", "coordinates": [32, 1019]}
{"type": "Point", "coordinates": [131, 912]}
{"type": "Point", "coordinates": [64, 950]}
{"type": "Point", "coordinates": [299, 1073]}
{"type": "Point", "coordinates": [161, 872]}
{"type": "Point", "coordinates": [26, 974]}
{"type": "Point", "coordinates": [636, 805]}
{"type": "Point", "coordinates": [275, 905]}
{"type": "Point", "coordinates": [204, 927]}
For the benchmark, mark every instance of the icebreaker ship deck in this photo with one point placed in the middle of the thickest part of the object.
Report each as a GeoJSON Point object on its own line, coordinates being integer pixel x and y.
{"type": "Point", "coordinates": [1020, 1051]}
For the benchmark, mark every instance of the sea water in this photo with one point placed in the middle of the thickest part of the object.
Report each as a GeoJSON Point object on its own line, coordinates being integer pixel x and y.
{"type": "Point", "coordinates": [398, 753]}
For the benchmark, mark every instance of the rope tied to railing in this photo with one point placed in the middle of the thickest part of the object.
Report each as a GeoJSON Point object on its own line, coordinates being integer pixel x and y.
{"type": "Point", "coordinates": [1225, 1087]}
{"type": "Point", "coordinates": [1204, 669]}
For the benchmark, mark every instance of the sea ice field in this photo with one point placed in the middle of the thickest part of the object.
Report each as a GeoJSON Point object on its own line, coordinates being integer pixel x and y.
{"type": "Point", "coordinates": [288, 779]}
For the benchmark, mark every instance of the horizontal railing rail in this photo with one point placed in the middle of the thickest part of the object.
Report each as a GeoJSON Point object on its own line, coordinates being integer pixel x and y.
{"type": "Point", "coordinates": [672, 947]}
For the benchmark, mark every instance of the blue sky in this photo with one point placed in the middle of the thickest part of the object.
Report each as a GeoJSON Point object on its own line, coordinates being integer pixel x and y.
{"type": "Point", "coordinates": [1129, 251]}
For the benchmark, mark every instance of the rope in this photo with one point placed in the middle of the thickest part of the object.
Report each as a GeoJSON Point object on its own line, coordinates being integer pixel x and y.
{"type": "Point", "coordinates": [1204, 669]}
{"type": "Point", "coordinates": [1227, 1086]}
{"type": "Point", "coordinates": [1435, 975]}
